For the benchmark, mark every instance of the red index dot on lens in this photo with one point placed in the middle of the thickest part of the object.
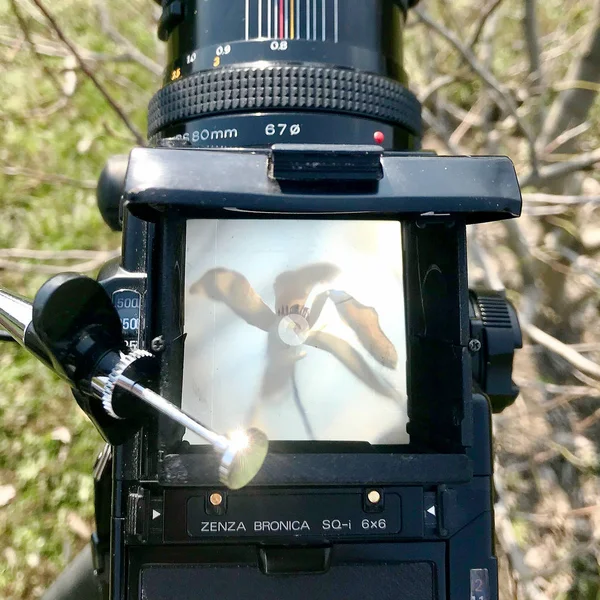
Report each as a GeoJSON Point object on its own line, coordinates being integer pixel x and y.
{"type": "Point", "coordinates": [379, 137]}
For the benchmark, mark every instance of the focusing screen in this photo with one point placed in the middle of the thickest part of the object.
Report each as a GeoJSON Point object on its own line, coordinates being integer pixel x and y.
{"type": "Point", "coordinates": [297, 328]}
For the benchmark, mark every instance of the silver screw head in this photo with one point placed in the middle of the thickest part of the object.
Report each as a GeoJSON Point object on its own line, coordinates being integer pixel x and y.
{"type": "Point", "coordinates": [474, 345]}
{"type": "Point", "coordinates": [158, 344]}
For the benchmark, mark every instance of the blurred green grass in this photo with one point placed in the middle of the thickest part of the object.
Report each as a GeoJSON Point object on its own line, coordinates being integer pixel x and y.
{"type": "Point", "coordinates": [47, 446]}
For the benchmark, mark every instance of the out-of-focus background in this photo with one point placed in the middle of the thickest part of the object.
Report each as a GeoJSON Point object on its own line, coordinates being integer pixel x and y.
{"type": "Point", "coordinates": [515, 77]}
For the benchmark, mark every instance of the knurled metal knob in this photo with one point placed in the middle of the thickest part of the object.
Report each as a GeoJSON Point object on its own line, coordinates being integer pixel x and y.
{"type": "Point", "coordinates": [126, 361]}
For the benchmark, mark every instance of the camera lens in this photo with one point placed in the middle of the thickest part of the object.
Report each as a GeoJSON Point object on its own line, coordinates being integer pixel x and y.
{"type": "Point", "coordinates": [251, 73]}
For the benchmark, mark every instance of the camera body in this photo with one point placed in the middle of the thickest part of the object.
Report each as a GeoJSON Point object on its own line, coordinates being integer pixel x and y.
{"type": "Point", "coordinates": [324, 517]}
{"type": "Point", "coordinates": [309, 300]}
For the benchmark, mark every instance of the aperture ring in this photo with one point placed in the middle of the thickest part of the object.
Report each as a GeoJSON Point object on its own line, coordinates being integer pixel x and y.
{"type": "Point", "coordinates": [236, 89]}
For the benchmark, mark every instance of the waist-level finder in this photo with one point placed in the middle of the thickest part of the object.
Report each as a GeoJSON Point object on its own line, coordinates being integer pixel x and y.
{"type": "Point", "coordinates": [293, 268]}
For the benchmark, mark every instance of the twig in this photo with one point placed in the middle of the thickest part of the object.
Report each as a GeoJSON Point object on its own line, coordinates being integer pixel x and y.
{"type": "Point", "coordinates": [138, 136]}
{"type": "Point", "coordinates": [553, 388]}
{"type": "Point", "coordinates": [41, 45]}
{"type": "Point", "coordinates": [562, 157]}
{"type": "Point", "coordinates": [549, 520]}
{"type": "Point", "coordinates": [57, 254]}
{"type": "Point", "coordinates": [589, 86]}
{"type": "Point", "coordinates": [49, 269]}
{"type": "Point", "coordinates": [500, 95]}
{"type": "Point", "coordinates": [546, 407]}
{"type": "Point", "coordinates": [48, 177]}
{"type": "Point", "coordinates": [119, 38]}
{"type": "Point", "coordinates": [47, 47]}
{"type": "Point", "coordinates": [532, 38]}
{"type": "Point", "coordinates": [440, 130]}
{"type": "Point", "coordinates": [459, 113]}
{"type": "Point", "coordinates": [471, 118]}
{"type": "Point", "coordinates": [437, 84]}
{"type": "Point", "coordinates": [580, 549]}
{"type": "Point", "coordinates": [590, 381]}
{"type": "Point", "coordinates": [566, 136]}
{"type": "Point", "coordinates": [539, 458]}
{"type": "Point", "coordinates": [492, 133]}
{"type": "Point", "coordinates": [572, 106]}
{"type": "Point", "coordinates": [584, 510]}
{"type": "Point", "coordinates": [42, 112]}
{"type": "Point", "coordinates": [543, 255]}
{"type": "Point", "coordinates": [539, 198]}
{"type": "Point", "coordinates": [487, 12]}
{"type": "Point", "coordinates": [584, 264]}
{"type": "Point", "coordinates": [480, 256]}
{"type": "Point", "coordinates": [518, 243]}
{"type": "Point", "coordinates": [16, 48]}
{"type": "Point", "coordinates": [567, 454]}
{"type": "Point", "coordinates": [545, 211]}
{"type": "Point", "coordinates": [25, 29]}
{"type": "Point", "coordinates": [546, 174]}
{"type": "Point", "coordinates": [556, 50]}
{"type": "Point", "coordinates": [585, 365]}
{"type": "Point", "coordinates": [588, 421]}
{"type": "Point", "coordinates": [508, 540]}
{"type": "Point", "coordinates": [583, 347]}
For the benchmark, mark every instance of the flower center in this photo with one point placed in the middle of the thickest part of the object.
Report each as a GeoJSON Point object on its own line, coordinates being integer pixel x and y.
{"type": "Point", "coordinates": [293, 329]}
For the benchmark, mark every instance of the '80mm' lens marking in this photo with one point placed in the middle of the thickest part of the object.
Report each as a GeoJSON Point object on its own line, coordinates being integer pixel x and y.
{"type": "Point", "coordinates": [310, 20]}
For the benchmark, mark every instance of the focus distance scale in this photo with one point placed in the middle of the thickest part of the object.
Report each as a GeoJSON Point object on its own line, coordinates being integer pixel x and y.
{"type": "Point", "coordinates": [292, 19]}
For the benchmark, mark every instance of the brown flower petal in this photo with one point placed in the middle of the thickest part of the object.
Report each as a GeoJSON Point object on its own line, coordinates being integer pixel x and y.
{"type": "Point", "coordinates": [364, 320]}
{"type": "Point", "coordinates": [234, 290]}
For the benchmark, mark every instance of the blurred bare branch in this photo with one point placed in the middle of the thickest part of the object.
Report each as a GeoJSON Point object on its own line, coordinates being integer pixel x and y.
{"type": "Point", "coordinates": [42, 177]}
{"type": "Point", "coordinates": [547, 174]}
{"type": "Point", "coordinates": [437, 84]}
{"type": "Point", "coordinates": [566, 136]}
{"type": "Point", "coordinates": [530, 26]}
{"type": "Point", "coordinates": [545, 211]}
{"type": "Point", "coordinates": [486, 13]}
{"type": "Point", "coordinates": [129, 124]}
{"type": "Point", "coordinates": [499, 93]}
{"type": "Point", "coordinates": [572, 106]}
{"type": "Point", "coordinates": [129, 49]}
{"type": "Point", "coordinates": [57, 254]}
{"type": "Point", "coordinates": [442, 132]}
{"type": "Point", "coordinates": [25, 29]}
{"type": "Point", "coordinates": [538, 197]}
{"type": "Point", "coordinates": [508, 540]}
{"type": "Point", "coordinates": [92, 260]}
{"type": "Point", "coordinates": [579, 361]}
{"type": "Point", "coordinates": [472, 118]}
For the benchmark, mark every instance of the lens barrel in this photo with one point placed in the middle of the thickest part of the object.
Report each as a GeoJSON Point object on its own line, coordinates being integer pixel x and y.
{"type": "Point", "coordinates": [253, 73]}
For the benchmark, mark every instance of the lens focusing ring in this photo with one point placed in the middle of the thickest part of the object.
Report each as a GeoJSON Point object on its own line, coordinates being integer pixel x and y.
{"type": "Point", "coordinates": [298, 88]}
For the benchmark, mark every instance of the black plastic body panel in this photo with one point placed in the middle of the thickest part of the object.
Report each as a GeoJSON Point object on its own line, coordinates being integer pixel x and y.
{"type": "Point", "coordinates": [416, 569]}
{"type": "Point", "coordinates": [207, 183]}
{"type": "Point", "coordinates": [297, 469]}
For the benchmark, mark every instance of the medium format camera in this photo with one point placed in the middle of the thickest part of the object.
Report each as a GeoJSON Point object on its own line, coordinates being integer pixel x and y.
{"type": "Point", "coordinates": [294, 268]}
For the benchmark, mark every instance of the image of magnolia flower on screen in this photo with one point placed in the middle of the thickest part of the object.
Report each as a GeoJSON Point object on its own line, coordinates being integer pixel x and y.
{"type": "Point", "coordinates": [307, 313]}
